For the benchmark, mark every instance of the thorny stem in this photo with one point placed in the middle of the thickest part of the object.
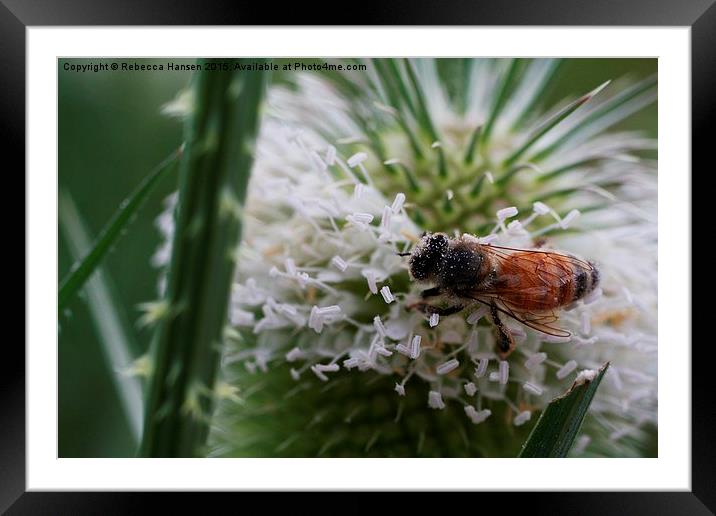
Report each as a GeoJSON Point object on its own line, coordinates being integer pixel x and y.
{"type": "Point", "coordinates": [220, 134]}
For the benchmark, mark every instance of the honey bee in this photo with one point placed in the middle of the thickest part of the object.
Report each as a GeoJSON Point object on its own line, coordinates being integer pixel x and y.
{"type": "Point", "coordinates": [528, 285]}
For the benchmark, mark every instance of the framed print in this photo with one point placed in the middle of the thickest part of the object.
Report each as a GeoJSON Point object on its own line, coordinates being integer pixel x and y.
{"type": "Point", "coordinates": [430, 257]}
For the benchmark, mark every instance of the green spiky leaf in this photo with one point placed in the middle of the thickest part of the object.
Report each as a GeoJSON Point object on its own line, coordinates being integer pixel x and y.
{"type": "Point", "coordinates": [559, 424]}
{"type": "Point", "coordinates": [503, 94]}
{"type": "Point", "coordinates": [549, 124]}
{"type": "Point", "coordinates": [109, 236]}
{"type": "Point", "coordinates": [619, 107]}
{"type": "Point", "coordinates": [116, 339]}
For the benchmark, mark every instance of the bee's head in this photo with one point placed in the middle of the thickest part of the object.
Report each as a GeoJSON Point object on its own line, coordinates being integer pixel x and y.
{"type": "Point", "coordinates": [427, 256]}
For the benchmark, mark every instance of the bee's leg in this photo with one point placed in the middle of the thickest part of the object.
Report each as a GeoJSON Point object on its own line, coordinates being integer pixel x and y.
{"type": "Point", "coordinates": [539, 242]}
{"type": "Point", "coordinates": [445, 311]}
{"type": "Point", "coordinates": [432, 309]}
{"type": "Point", "coordinates": [431, 292]}
{"type": "Point", "coordinates": [505, 341]}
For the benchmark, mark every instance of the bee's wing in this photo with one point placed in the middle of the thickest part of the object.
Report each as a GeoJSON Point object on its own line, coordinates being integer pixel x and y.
{"type": "Point", "coordinates": [500, 252]}
{"type": "Point", "coordinates": [531, 273]}
{"type": "Point", "coordinates": [540, 321]}
{"type": "Point", "coordinates": [528, 277]}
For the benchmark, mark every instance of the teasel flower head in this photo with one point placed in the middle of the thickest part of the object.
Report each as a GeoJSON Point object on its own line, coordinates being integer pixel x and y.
{"type": "Point", "coordinates": [351, 168]}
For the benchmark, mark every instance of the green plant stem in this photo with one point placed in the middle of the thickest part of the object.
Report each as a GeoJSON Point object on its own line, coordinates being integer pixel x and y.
{"type": "Point", "coordinates": [214, 173]}
{"type": "Point", "coordinates": [117, 344]}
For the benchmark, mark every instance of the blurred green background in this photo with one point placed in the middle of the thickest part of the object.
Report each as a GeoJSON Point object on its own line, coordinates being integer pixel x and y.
{"type": "Point", "coordinates": [111, 134]}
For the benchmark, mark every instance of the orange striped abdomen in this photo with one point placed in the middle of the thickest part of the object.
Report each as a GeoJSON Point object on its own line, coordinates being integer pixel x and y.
{"type": "Point", "coordinates": [536, 282]}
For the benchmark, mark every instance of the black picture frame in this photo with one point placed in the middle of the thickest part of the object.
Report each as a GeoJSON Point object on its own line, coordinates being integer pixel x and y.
{"type": "Point", "coordinates": [17, 15]}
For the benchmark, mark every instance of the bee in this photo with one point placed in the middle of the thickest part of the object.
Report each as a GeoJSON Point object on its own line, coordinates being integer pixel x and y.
{"type": "Point", "coordinates": [528, 285]}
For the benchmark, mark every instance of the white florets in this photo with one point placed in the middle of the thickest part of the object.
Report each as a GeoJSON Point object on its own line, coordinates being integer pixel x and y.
{"type": "Point", "coordinates": [320, 240]}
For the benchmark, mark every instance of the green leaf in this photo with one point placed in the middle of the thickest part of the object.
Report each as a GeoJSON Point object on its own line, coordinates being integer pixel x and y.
{"type": "Point", "coordinates": [550, 123]}
{"type": "Point", "coordinates": [564, 192]}
{"type": "Point", "coordinates": [477, 187]}
{"type": "Point", "coordinates": [110, 234]}
{"type": "Point", "coordinates": [402, 86]}
{"type": "Point", "coordinates": [387, 79]}
{"type": "Point", "coordinates": [618, 108]}
{"type": "Point", "coordinates": [424, 116]}
{"type": "Point", "coordinates": [117, 344]}
{"type": "Point", "coordinates": [410, 178]}
{"type": "Point", "coordinates": [422, 111]}
{"type": "Point", "coordinates": [559, 424]}
{"type": "Point", "coordinates": [220, 140]}
{"type": "Point", "coordinates": [534, 83]}
{"type": "Point", "coordinates": [570, 166]}
{"type": "Point", "coordinates": [509, 174]}
{"type": "Point", "coordinates": [469, 153]}
{"type": "Point", "coordinates": [503, 93]}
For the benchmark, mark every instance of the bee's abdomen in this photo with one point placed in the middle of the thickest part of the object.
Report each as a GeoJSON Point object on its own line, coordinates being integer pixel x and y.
{"type": "Point", "coordinates": [564, 280]}
{"type": "Point", "coordinates": [545, 281]}
{"type": "Point", "coordinates": [585, 280]}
